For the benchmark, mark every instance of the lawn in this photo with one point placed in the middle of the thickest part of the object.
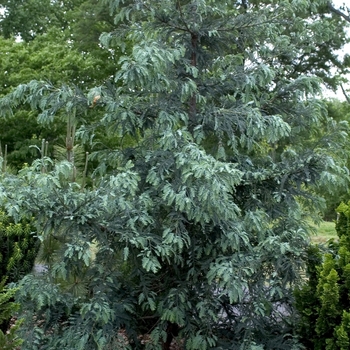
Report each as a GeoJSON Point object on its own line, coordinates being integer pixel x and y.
{"type": "Point", "coordinates": [325, 231]}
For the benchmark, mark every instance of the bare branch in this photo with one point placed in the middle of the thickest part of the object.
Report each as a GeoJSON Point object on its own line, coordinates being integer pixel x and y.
{"type": "Point", "coordinates": [345, 94]}
{"type": "Point", "coordinates": [338, 12]}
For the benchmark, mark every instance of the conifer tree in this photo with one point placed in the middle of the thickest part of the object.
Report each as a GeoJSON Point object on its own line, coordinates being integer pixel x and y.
{"type": "Point", "coordinates": [198, 222]}
{"type": "Point", "coordinates": [323, 302]}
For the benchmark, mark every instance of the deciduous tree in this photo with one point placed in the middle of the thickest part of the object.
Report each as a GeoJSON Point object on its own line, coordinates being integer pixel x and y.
{"type": "Point", "coordinates": [53, 41]}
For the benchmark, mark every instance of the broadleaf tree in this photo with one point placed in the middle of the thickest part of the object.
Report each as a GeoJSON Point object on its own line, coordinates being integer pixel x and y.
{"type": "Point", "coordinates": [194, 229]}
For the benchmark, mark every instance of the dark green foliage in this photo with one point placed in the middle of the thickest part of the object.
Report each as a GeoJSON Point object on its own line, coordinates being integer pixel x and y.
{"type": "Point", "coordinates": [61, 44]}
{"type": "Point", "coordinates": [7, 307]}
{"type": "Point", "coordinates": [324, 300]}
{"type": "Point", "coordinates": [8, 338]}
{"type": "Point", "coordinates": [16, 22]}
{"type": "Point", "coordinates": [19, 247]}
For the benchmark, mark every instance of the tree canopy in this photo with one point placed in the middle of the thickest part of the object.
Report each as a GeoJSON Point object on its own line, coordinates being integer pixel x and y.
{"type": "Point", "coordinates": [194, 225]}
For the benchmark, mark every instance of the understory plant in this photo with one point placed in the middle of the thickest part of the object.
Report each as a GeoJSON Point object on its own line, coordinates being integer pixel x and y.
{"type": "Point", "coordinates": [19, 246]}
{"type": "Point", "coordinates": [9, 339]}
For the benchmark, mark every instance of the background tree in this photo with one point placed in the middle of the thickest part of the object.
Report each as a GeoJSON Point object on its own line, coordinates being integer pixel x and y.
{"type": "Point", "coordinates": [54, 48]}
{"type": "Point", "coordinates": [45, 15]}
{"type": "Point", "coordinates": [317, 51]}
{"type": "Point", "coordinates": [198, 221]}
{"type": "Point", "coordinates": [339, 111]}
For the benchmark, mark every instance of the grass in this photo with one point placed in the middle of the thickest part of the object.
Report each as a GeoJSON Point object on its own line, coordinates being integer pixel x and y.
{"type": "Point", "coordinates": [325, 231]}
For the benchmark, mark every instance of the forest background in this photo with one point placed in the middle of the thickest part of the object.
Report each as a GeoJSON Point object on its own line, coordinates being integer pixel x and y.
{"type": "Point", "coordinates": [165, 161]}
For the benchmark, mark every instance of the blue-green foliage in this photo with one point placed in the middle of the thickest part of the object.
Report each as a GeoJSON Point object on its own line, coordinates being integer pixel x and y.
{"type": "Point", "coordinates": [197, 228]}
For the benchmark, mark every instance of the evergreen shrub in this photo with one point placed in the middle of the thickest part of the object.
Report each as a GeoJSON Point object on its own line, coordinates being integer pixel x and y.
{"type": "Point", "coordinates": [324, 301]}
{"type": "Point", "coordinates": [8, 338]}
{"type": "Point", "coordinates": [18, 247]}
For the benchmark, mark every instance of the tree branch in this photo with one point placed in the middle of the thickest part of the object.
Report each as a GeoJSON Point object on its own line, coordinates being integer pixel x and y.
{"type": "Point", "coordinates": [344, 92]}
{"type": "Point", "coordinates": [338, 12]}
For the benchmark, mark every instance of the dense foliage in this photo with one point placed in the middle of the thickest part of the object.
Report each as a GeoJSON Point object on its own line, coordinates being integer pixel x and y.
{"type": "Point", "coordinates": [19, 248]}
{"type": "Point", "coordinates": [339, 111]}
{"type": "Point", "coordinates": [193, 224]}
{"type": "Point", "coordinates": [323, 302]}
{"type": "Point", "coordinates": [8, 337]}
{"type": "Point", "coordinates": [59, 44]}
